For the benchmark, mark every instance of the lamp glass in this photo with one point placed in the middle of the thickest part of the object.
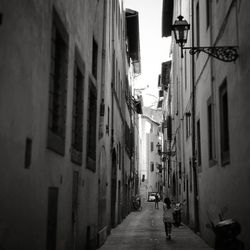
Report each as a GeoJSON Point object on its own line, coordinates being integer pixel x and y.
{"type": "Point", "coordinates": [158, 145]}
{"type": "Point", "coordinates": [180, 29]}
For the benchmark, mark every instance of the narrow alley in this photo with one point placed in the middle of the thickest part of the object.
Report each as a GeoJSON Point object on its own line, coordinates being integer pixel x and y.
{"type": "Point", "coordinates": [145, 230]}
{"type": "Point", "coordinates": [103, 102]}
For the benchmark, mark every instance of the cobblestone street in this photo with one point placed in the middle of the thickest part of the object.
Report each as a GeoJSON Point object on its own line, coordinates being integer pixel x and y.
{"type": "Point", "coordinates": [145, 230]}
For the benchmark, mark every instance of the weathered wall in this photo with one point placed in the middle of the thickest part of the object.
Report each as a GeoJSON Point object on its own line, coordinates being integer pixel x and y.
{"type": "Point", "coordinates": [25, 67]}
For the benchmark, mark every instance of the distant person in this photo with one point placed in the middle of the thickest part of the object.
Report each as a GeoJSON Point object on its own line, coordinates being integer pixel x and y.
{"type": "Point", "coordinates": [157, 201]}
{"type": "Point", "coordinates": [168, 218]}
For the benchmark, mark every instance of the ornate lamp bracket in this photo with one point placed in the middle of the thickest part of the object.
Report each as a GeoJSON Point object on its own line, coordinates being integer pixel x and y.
{"type": "Point", "coordinates": [223, 53]}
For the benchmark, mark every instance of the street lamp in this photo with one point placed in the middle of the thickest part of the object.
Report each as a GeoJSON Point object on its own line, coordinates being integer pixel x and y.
{"type": "Point", "coordinates": [223, 53]}
{"type": "Point", "coordinates": [159, 148]}
{"type": "Point", "coordinates": [160, 152]}
{"type": "Point", "coordinates": [180, 29]}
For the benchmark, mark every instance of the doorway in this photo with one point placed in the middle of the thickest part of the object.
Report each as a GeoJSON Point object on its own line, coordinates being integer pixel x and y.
{"type": "Point", "coordinates": [113, 189]}
{"type": "Point", "coordinates": [52, 218]}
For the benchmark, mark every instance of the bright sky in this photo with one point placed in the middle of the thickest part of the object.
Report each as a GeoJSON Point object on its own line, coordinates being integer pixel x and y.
{"type": "Point", "coordinates": [154, 49]}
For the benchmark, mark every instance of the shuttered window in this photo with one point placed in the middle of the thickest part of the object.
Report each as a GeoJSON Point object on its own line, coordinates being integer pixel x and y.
{"type": "Point", "coordinates": [77, 114]}
{"type": "Point", "coordinates": [208, 9]}
{"type": "Point", "coordinates": [224, 126]}
{"type": "Point", "coordinates": [75, 188]}
{"type": "Point", "coordinates": [94, 58]}
{"type": "Point", "coordinates": [198, 143]}
{"type": "Point", "coordinates": [211, 136]}
{"type": "Point", "coordinates": [58, 86]}
{"type": "Point", "coordinates": [169, 127]}
{"type": "Point", "coordinates": [152, 167]}
{"type": "Point", "coordinates": [197, 25]}
{"type": "Point", "coordinates": [28, 153]}
{"type": "Point", "coordinates": [91, 135]}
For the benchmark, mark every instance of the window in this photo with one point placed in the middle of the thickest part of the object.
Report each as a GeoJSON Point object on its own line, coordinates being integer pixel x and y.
{"type": "Point", "coordinates": [160, 168]}
{"type": "Point", "coordinates": [75, 195]}
{"type": "Point", "coordinates": [197, 25]}
{"type": "Point", "coordinates": [210, 136]}
{"type": "Point", "coordinates": [77, 114]}
{"type": "Point", "coordinates": [198, 143]}
{"type": "Point", "coordinates": [28, 152]}
{"type": "Point", "coordinates": [129, 139]}
{"type": "Point", "coordinates": [190, 175]}
{"type": "Point", "coordinates": [52, 217]}
{"type": "Point", "coordinates": [94, 58]}
{"type": "Point", "coordinates": [169, 127]}
{"type": "Point", "coordinates": [185, 69]}
{"type": "Point", "coordinates": [184, 180]}
{"type": "Point", "coordinates": [120, 155]}
{"type": "Point", "coordinates": [224, 127]}
{"type": "Point", "coordinates": [188, 124]}
{"type": "Point", "coordinates": [180, 172]}
{"type": "Point", "coordinates": [152, 146]}
{"type": "Point", "coordinates": [107, 125]}
{"type": "Point", "coordinates": [208, 12]}
{"type": "Point", "coordinates": [211, 142]}
{"type": "Point", "coordinates": [91, 135]}
{"type": "Point", "coordinates": [143, 178]}
{"type": "Point", "coordinates": [58, 86]}
{"type": "Point", "coordinates": [152, 167]}
{"type": "Point", "coordinates": [187, 127]}
{"type": "Point", "coordinates": [151, 128]}
{"type": "Point", "coordinates": [113, 71]}
{"type": "Point", "coordinates": [116, 75]}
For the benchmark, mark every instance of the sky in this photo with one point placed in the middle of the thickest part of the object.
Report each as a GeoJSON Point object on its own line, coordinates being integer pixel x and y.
{"type": "Point", "coordinates": [154, 49]}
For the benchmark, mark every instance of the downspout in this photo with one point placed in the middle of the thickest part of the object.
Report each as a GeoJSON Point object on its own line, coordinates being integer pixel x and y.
{"type": "Point", "coordinates": [112, 81]}
{"type": "Point", "coordinates": [196, 202]}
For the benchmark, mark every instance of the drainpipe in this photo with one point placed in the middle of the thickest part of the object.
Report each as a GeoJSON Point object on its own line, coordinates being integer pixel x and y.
{"type": "Point", "coordinates": [196, 202]}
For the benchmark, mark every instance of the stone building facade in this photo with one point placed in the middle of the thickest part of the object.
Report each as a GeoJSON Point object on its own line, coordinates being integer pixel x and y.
{"type": "Point", "coordinates": [151, 175]}
{"type": "Point", "coordinates": [210, 127]}
{"type": "Point", "coordinates": [65, 111]}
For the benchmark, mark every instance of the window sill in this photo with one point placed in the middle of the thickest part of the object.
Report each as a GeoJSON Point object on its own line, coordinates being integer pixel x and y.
{"type": "Point", "coordinates": [56, 143]}
{"type": "Point", "coordinates": [212, 163]}
{"type": "Point", "coordinates": [76, 156]}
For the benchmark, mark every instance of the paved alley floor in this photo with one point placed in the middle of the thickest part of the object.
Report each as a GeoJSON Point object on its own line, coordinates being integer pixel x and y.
{"type": "Point", "coordinates": [144, 230]}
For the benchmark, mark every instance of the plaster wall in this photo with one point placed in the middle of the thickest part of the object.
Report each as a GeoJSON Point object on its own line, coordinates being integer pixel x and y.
{"type": "Point", "coordinates": [221, 185]}
{"type": "Point", "coordinates": [25, 67]}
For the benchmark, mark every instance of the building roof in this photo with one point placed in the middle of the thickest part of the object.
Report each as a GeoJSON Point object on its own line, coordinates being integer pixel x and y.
{"type": "Point", "coordinates": [150, 120]}
{"type": "Point", "coordinates": [153, 114]}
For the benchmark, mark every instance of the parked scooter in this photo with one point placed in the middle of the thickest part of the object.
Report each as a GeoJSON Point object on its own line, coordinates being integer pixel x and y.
{"type": "Point", "coordinates": [136, 203]}
{"type": "Point", "coordinates": [177, 214]}
{"type": "Point", "coordinates": [226, 232]}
